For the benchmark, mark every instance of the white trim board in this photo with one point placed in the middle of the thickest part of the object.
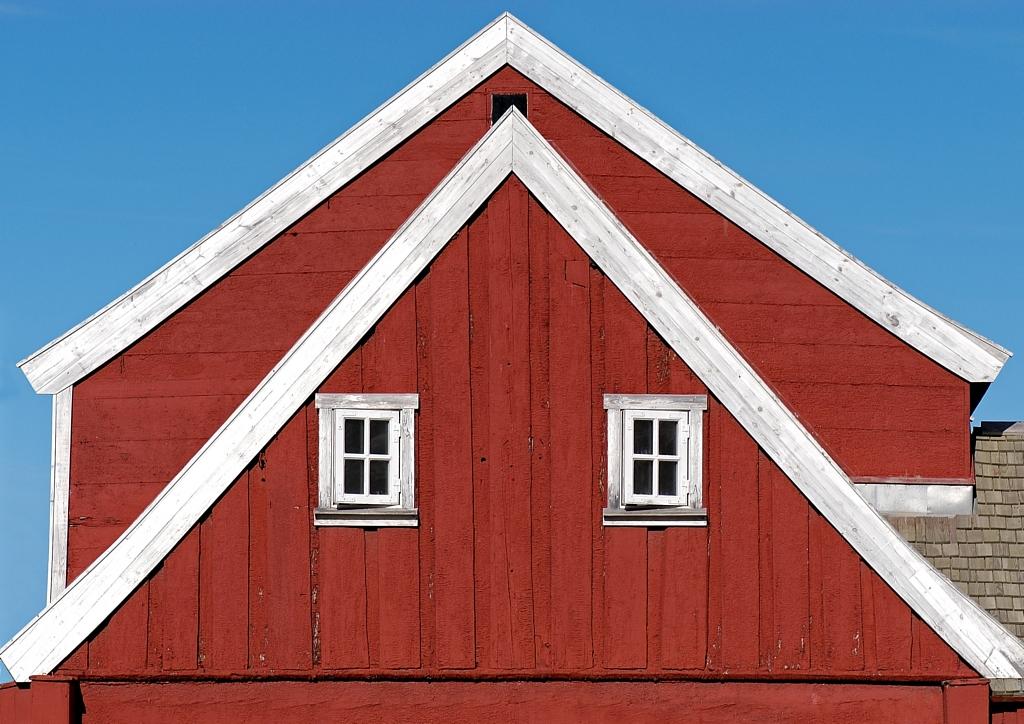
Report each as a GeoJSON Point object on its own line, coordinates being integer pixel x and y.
{"type": "Point", "coordinates": [60, 484]}
{"type": "Point", "coordinates": [511, 146]}
{"type": "Point", "coordinates": [506, 40]}
{"type": "Point", "coordinates": [918, 499]}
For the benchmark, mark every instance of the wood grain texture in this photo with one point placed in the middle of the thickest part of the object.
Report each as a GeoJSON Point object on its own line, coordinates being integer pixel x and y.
{"type": "Point", "coordinates": [60, 490]}
{"type": "Point", "coordinates": [672, 316]}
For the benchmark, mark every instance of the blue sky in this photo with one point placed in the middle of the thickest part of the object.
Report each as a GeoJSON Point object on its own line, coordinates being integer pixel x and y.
{"type": "Point", "coordinates": [129, 130]}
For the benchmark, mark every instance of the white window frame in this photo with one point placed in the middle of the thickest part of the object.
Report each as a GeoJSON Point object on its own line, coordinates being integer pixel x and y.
{"type": "Point", "coordinates": [392, 456]}
{"type": "Point", "coordinates": [626, 508]}
{"type": "Point", "coordinates": [398, 506]}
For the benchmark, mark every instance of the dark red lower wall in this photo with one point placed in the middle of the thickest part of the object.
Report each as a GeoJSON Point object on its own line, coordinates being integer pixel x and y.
{"type": "Point", "coordinates": [547, 702]}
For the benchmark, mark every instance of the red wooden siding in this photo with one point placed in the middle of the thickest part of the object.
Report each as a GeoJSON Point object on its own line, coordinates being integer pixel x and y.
{"type": "Point", "coordinates": [878, 405]}
{"type": "Point", "coordinates": [511, 338]}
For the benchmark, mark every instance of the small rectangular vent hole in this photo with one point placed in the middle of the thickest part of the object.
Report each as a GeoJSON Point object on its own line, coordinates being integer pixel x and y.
{"type": "Point", "coordinates": [501, 102]}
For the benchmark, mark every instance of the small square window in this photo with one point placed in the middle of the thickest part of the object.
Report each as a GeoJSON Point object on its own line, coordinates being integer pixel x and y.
{"type": "Point", "coordinates": [655, 459]}
{"type": "Point", "coordinates": [366, 460]}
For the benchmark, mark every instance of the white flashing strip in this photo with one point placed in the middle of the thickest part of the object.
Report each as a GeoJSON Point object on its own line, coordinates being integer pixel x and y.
{"type": "Point", "coordinates": [60, 484]}
{"type": "Point", "coordinates": [924, 499]}
{"type": "Point", "coordinates": [506, 40]}
{"type": "Point", "coordinates": [511, 146]}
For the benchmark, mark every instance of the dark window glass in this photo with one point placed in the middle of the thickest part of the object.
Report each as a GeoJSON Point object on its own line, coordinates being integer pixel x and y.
{"type": "Point", "coordinates": [667, 437]}
{"type": "Point", "coordinates": [666, 477]}
{"type": "Point", "coordinates": [353, 435]}
{"type": "Point", "coordinates": [643, 436]}
{"type": "Point", "coordinates": [643, 477]}
{"type": "Point", "coordinates": [354, 477]}
{"type": "Point", "coordinates": [379, 437]}
{"type": "Point", "coordinates": [379, 477]}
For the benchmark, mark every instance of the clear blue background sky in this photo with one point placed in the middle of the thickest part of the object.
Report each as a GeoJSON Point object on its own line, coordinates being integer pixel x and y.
{"type": "Point", "coordinates": [127, 131]}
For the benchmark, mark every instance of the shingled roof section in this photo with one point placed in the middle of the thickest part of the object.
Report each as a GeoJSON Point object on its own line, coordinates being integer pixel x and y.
{"type": "Point", "coordinates": [983, 553]}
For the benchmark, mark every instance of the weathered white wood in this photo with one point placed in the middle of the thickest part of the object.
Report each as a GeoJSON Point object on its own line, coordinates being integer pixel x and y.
{"type": "Point", "coordinates": [60, 483]}
{"type": "Point", "coordinates": [512, 145]}
{"type": "Point", "coordinates": [407, 453]}
{"type": "Point", "coordinates": [959, 349]}
{"type": "Point", "coordinates": [655, 517]}
{"type": "Point", "coordinates": [918, 499]}
{"type": "Point", "coordinates": [385, 517]}
{"type": "Point", "coordinates": [972, 632]}
{"type": "Point", "coordinates": [82, 349]}
{"type": "Point", "coordinates": [368, 401]}
{"type": "Point", "coordinates": [655, 402]}
{"type": "Point", "coordinates": [325, 457]}
{"type": "Point", "coordinates": [68, 620]}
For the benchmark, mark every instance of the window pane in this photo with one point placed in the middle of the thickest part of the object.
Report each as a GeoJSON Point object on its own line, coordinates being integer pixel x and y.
{"type": "Point", "coordinates": [353, 435]}
{"type": "Point", "coordinates": [378, 437]}
{"type": "Point", "coordinates": [666, 477]}
{"type": "Point", "coordinates": [353, 477]}
{"type": "Point", "coordinates": [667, 437]}
{"type": "Point", "coordinates": [643, 436]}
{"type": "Point", "coordinates": [643, 477]}
{"type": "Point", "coordinates": [379, 477]}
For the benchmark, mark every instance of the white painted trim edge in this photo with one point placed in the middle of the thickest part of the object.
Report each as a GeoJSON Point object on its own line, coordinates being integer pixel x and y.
{"type": "Point", "coordinates": [655, 402]}
{"type": "Point", "coordinates": [915, 499]}
{"type": "Point", "coordinates": [368, 401]}
{"type": "Point", "coordinates": [512, 145]}
{"type": "Point", "coordinates": [60, 483]}
{"type": "Point", "coordinates": [85, 347]}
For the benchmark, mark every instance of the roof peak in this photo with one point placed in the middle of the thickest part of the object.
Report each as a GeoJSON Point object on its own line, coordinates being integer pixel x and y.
{"type": "Point", "coordinates": [507, 41]}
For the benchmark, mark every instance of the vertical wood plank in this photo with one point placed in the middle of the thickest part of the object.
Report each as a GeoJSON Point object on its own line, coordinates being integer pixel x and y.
{"type": "Point", "coordinates": [371, 540]}
{"type": "Point", "coordinates": [571, 454]}
{"type": "Point", "coordinates": [684, 629]}
{"type": "Point", "coordinates": [839, 632]}
{"type": "Point", "coordinates": [765, 563]}
{"type": "Point", "coordinates": [279, 585]}
{"type": "Point", "coordinates": [599, 455]}
{"type": "Point", "coordinates": [399, 596]}
{"type": "Point", "coordinates": [932, 655]}
{"type": "Point", "coordinates": [625, 585]}
{"type": "Point", "coordinates": [893, 638]}
{"type": "Point", "coordinates": [541, 392]}
{"type": "Point", "coordinates": [427, 477]}
{"type": "Point", "coordinates": [736, 535]}
{"type": "Point", "coordinates": [509, 361]}
{"type": "Point", "coordinates": [341, 566]}
{"type": "Point", "coordinates": [224, 581]}
{"type": "Point", "coordinates": [790, 634]}
{"type": "Point", "coordinates": [120, 645]}
{"type": "Point", "coordinates": [443, 306]}
{"type": "Point", "coordinates": [174, 609]}
{"type": "Point", "coordinates": [479, 380]}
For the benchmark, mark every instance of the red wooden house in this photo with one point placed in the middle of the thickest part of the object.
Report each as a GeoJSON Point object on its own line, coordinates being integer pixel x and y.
{"type": "Point", "coordinates": [510, 404]}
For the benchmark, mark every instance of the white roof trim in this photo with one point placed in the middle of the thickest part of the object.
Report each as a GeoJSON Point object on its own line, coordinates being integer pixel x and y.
{"type": "Point", "coordinates": [511, 146]}
{"type": "Point", "coordinates": [81, 350]}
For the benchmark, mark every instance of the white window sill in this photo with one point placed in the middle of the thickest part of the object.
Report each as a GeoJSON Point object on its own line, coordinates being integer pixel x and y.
{"type": "Point", "coordinates": [367, 517]}
{"type": "Point", "coordinates": [655, 517]}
